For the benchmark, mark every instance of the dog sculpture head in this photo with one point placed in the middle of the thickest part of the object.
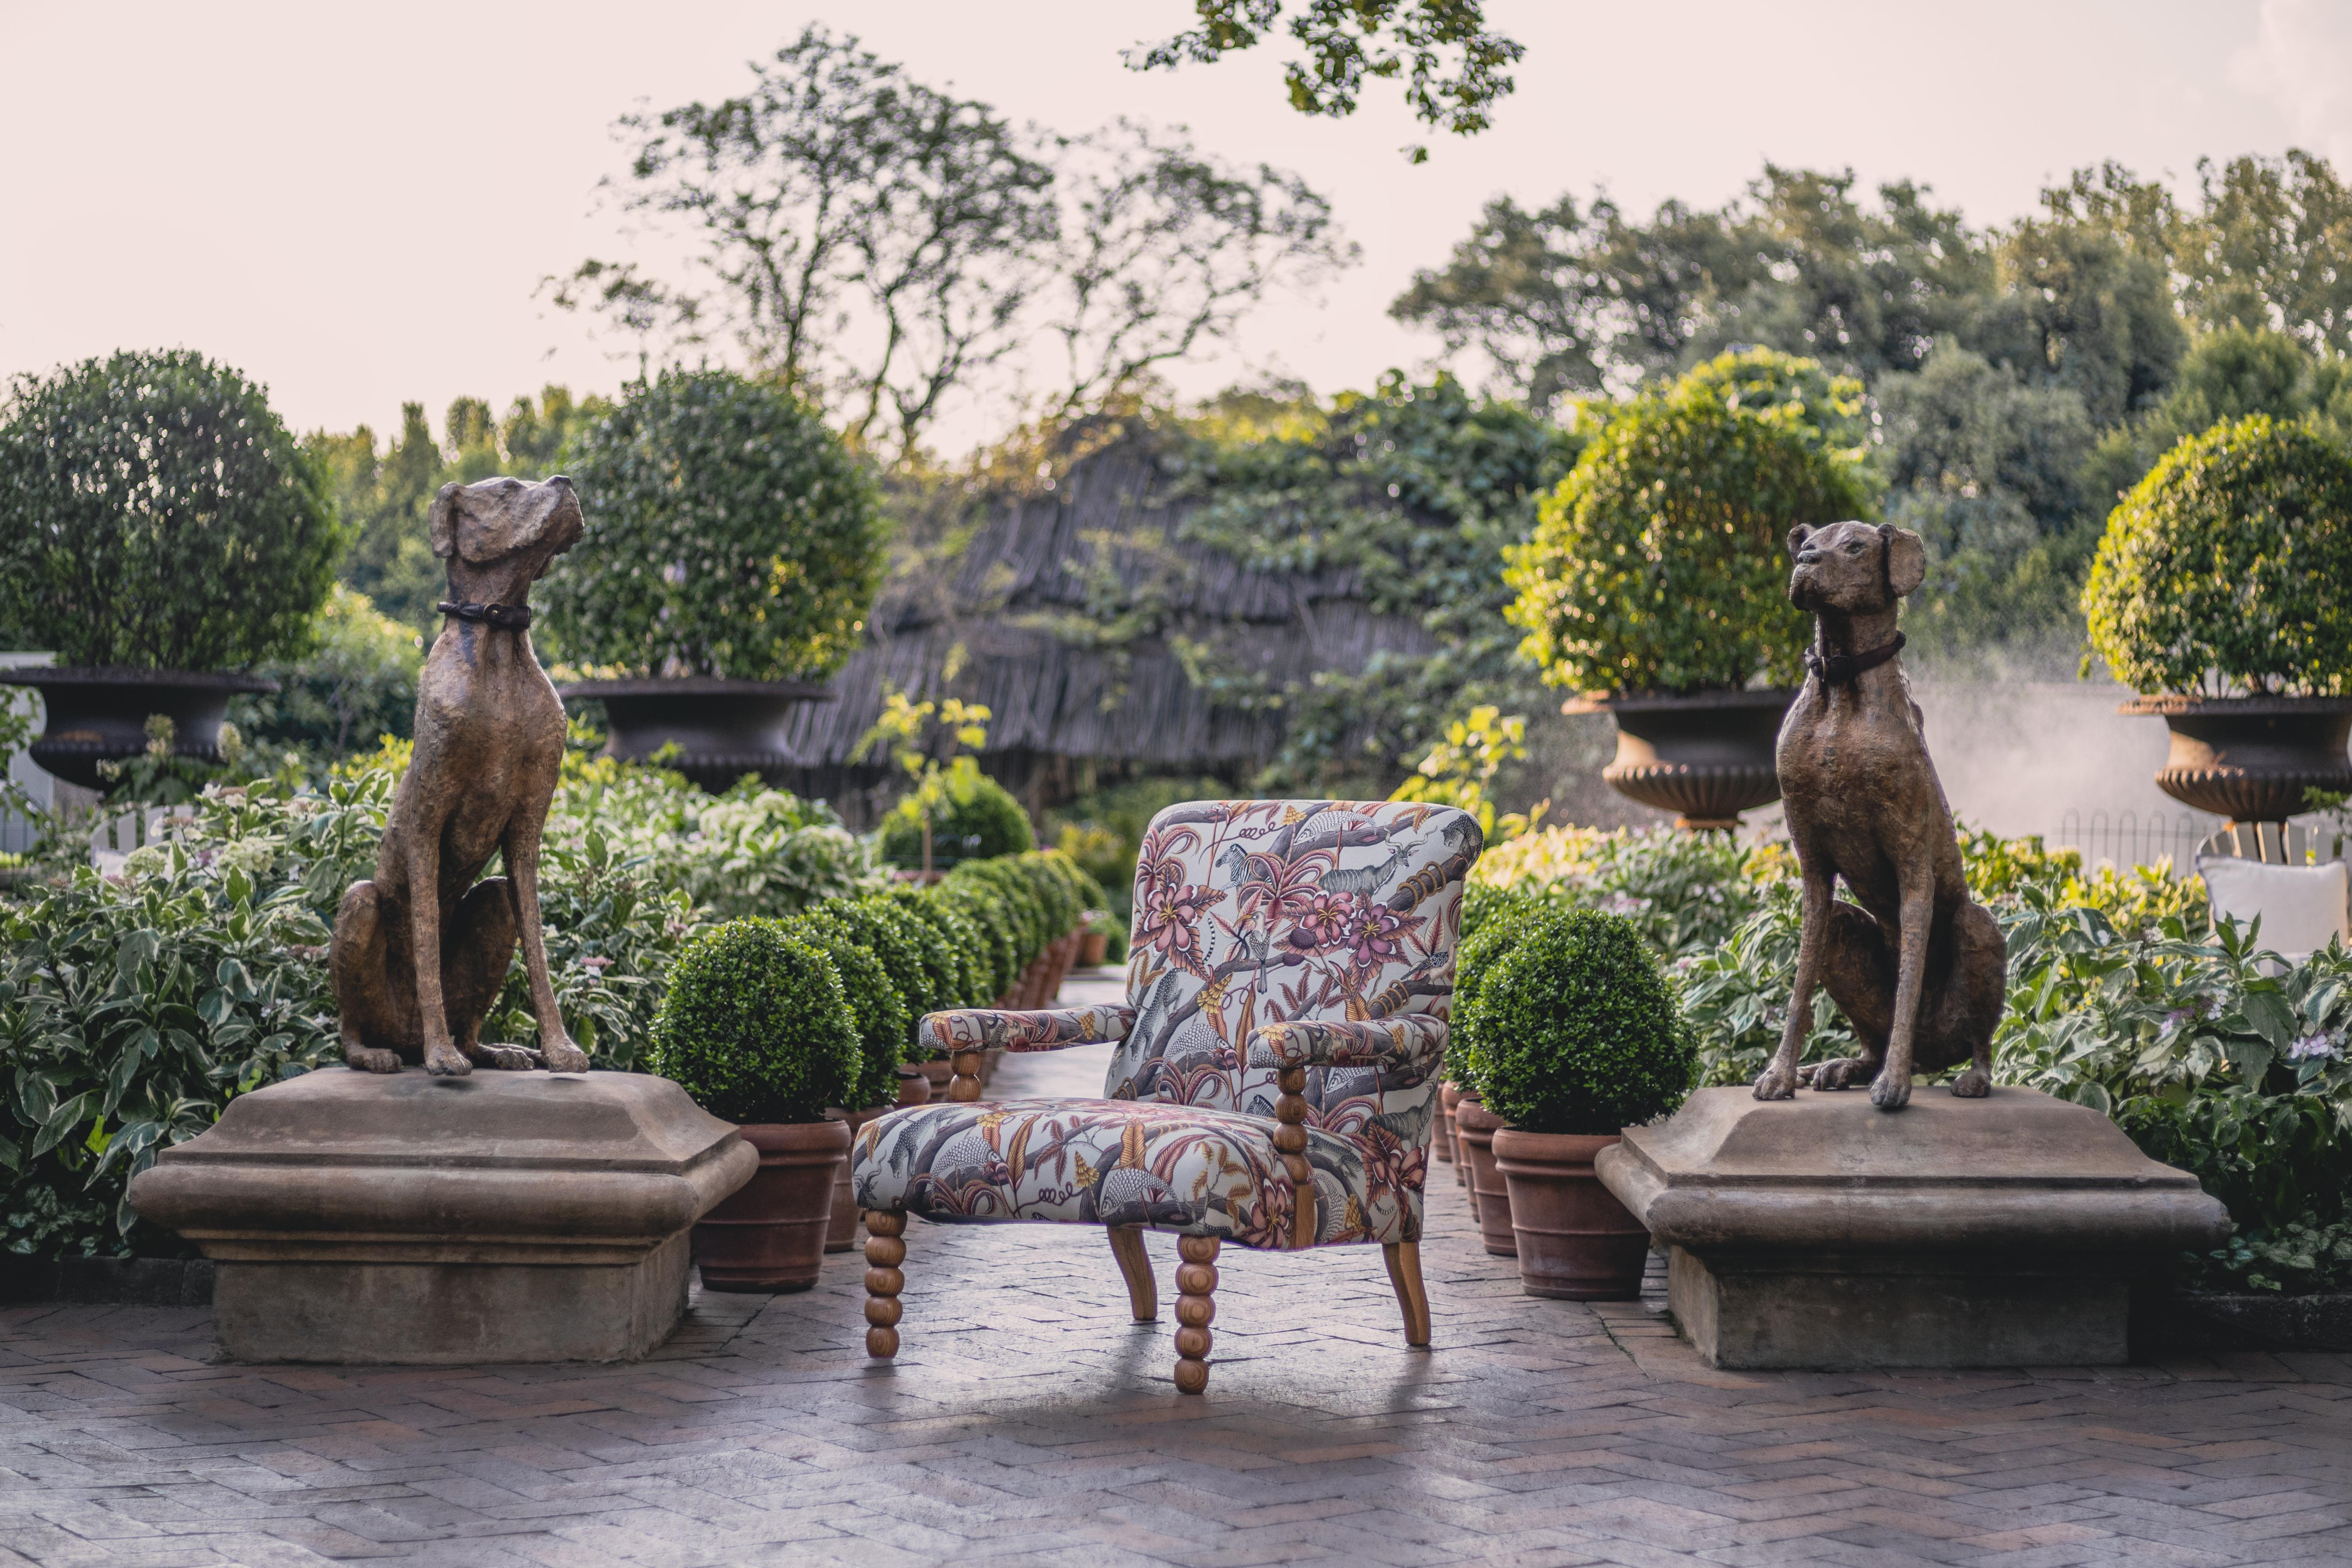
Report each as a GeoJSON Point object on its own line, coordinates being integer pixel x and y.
{"type": "Point", "coordinates": [1852, 568]}
{"type": "Point", "coordinates": [505, 522]}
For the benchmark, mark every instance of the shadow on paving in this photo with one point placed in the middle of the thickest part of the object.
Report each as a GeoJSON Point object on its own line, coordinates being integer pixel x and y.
{"type": "Point", "coordinates": [1027, 1421]}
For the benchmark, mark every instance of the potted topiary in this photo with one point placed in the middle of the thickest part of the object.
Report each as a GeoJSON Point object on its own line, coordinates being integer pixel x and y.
{"type": "Point", "coordinates": [159, 529]}
{"type": "Point", "coordinates": [1578, 1037]}
{"type": "Point", "coordinates": [757, 1028]}
{"type": "Point", "coordinates": [1654, 582]}
{"type": "Point", "coordinates": [1491, 923]}
{"type": "Point", "coordinates": [880, 1014]}
{"type": "Point", "coordinates": [732, 551]}
{"type": "Point", "coordinates": [2219, 593]}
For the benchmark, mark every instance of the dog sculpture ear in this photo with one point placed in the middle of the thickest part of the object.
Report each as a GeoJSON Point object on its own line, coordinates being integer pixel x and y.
{"type": "Point", "coordinates": [1906, 559]}
{"type": "Point", "coordinates": [443, 523]}
{"type": "Point", "coordinates": [1797, 537]}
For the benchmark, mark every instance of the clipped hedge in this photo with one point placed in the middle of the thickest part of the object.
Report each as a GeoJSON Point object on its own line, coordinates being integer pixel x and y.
{"type": "Point", "coordinates": [962, 946]}
{"type": "Point", "coordinates": [757, 1026]}
{"type": "Point", "coordinates": [875, 1003]}
{"type": "Point", "coordinates": [1575, 1027]}
{"type": "Point", "coordinates": [2228, 564]}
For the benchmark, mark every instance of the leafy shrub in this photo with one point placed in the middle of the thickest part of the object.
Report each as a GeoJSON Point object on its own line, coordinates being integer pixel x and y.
{"type": "Point", "coordinates": [908, 950]}
{"type": "Point", "coordinates": [1686, 892]}
{"type": "Point", "coordinates": [1501, 916]}
{"type": "Point", "coordinates": [1025, 913]}
{"type": "Point", "coordinates": [959, 939]}
{"type": "Point", "coordinates": [989, 910]}
{"type": "Point", "coordinates": [2226, 565]}
{"type": "Point", "coordinates": [154, 511]}
{"type": "Point", "coordinates": [756, 1025]}
{"type": "Point", "coordinates": [1575, 1029]}
{"type": "Point", "coordinates": [980, 822]}
{"type": "Point", "coordinates": [728, 532]}
{"type": "Point", "coordinates": [1659, 564]}
{"type": "Point", "coordinates": [874, 1003]}
{"type": "Point", "coordinates": [358, 684]}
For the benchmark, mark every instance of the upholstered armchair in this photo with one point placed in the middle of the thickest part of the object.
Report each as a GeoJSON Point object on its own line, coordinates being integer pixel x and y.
{"type": "Point", "coordinates": [1276, 1081]}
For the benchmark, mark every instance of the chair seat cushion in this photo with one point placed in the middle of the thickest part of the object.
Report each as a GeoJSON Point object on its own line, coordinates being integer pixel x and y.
{"type": "Point", "coordinates": [1120, 1161]}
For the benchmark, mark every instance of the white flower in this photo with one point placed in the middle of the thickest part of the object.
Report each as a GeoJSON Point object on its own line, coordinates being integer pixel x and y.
{"type": "Point", "coordinates": [2325, 1046]}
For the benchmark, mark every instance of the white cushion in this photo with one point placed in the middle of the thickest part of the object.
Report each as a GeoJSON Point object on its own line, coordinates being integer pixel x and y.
{"type": "Point", "coordinates": [2301, 906]}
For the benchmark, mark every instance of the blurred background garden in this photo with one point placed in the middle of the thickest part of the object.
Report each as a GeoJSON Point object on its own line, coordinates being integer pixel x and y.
{"type": "Point", "coordinates": [909, 410]}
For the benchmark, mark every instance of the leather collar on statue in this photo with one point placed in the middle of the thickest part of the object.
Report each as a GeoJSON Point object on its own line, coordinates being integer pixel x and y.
{"type": "Point", "coordinates": [1839, 669]}
{"type": "Point", "coordinates": [498, 618]}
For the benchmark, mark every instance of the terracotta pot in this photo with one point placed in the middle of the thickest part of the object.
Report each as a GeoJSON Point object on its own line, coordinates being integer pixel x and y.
{"type": "Point", "coordinates": [936, 1075]}
{"type": "Point", "coordinates": [1707, 756]}
{"type": "Point", "coordinates": [914, 1087]}
{"type": "Point", "coordinates": [1576, 1241]}
{"type": "Point", "coordinates": [1093, 948]}
{"type": "Point", "coordinates": [724, 728]}
{"type": "Point", "coordinates": [98, 713]}
{"type": "Point", "coordinates": [770, 1234]}
{"type": "Point", "coordinates": [1460, 1160]}
{"type": "Point", "coordinates": [1441, 1145]}
{"type": "Point", "coordinates": [842, 1233]}
{"type": "Point", "coordinates": [1477, 1126]}
{"type": "Point", "coordinates": [2252, 759]}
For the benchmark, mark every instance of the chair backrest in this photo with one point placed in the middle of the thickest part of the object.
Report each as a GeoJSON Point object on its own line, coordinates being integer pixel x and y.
{"type": "Point", "coordinates": [1257, 911]}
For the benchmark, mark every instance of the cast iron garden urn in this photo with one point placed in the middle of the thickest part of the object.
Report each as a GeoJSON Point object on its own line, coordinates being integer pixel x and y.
{"type": "Point", "coordinates": [723, 728]}
{"type": "Point", "coordinates": [98, 713]}
{"type": "Point", "coordinates": [1707, 756]}
{"type": "Point", "coordinates": [2252, 759]}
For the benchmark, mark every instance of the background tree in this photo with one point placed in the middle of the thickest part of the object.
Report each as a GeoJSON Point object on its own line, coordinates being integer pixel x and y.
{"type": "Point", "coordinates": [877, 246]}
{"type": "Point", "coordinates": [1451, 62]}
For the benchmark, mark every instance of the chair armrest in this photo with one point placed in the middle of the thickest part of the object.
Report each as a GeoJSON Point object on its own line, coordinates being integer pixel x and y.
{"type": "Point", "coordinates": [981, 1029]}
{"type": "Point", "coordinates": [1402, 1041]}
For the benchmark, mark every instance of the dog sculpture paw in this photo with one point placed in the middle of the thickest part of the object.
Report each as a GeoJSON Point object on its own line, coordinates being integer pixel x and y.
{"type": "Point", "coordinates": [1973, 1084]}
{"type": "Point", "coordinates": [1778, 1083]}
{"type": "Point", "coordinates": [1842, 1073]}
{"type": "Point", "coordinates": [565, 1056]}
{"type": "Point", "coordinates": [368, 1059]}
{"type": "Point", "coordinates": [1890, 1093]}
{"type": "Point", "coordinates": [506, 1058]}
{"type": "Point", "coordinates": [447, 1061]}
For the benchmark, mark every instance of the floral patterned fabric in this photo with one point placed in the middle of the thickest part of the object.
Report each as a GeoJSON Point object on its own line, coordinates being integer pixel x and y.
{"type": "Point", "coordinates": [1250, 917]}
{"type": "Point", "coordinates": [1110, 1161]}
{"type": "Point", "coordinates": [978, 1029]}
{"type": "Point", "coordinates": [1340, 1043]}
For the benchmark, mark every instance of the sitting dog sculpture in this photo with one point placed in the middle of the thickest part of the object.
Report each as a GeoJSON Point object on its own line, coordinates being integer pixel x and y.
{"type": "Point", "coordinates": [421, 951]}
{"type": "Point", "coordinates": [1917, 967]}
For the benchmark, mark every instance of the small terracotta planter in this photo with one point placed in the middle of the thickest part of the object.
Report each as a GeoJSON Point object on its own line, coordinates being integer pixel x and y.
{"type": "Point", "coordinates": [770, 1234]}
{"type": "Point", "coordinates": [914, 1087]}
{"type": "Point", "coordinates": [1478, 1127]}
{"type": "Point", "coordinates": [1576, 1241]}
{"type": "Point", "coordinates": [1442, 1145]}
{"type": "Point", "coordinates": [935, 1075]}
{"type": "Point", "coordinates": [1093, 948]}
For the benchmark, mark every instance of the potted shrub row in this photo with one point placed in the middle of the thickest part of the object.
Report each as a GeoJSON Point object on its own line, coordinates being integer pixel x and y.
{"type": "Point", "coordinates": [796, 1028]}
{"type": "Point", "coordinates": [2218, 594]}
{"type": "Point", "coordinates": [161, 531]}
{"type": "Point", "coordinates": [1568, 1033]}
{"type": "Point", "coordinates": [1652, 583]}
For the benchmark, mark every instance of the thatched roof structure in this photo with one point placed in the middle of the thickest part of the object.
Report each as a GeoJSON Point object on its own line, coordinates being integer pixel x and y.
{"type": "Point", "coordinates": [1103, 640]}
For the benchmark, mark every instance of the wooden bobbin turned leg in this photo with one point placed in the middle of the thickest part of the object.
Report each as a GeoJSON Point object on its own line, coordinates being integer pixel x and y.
{"type": "Point", "coordinates": [1404, 1258]}
{"type": "Point", "coordinates": [1290, 1143]}
{"type": "Point", "coordinates": [885, 1250]}
{"type": "Point", "coordinates": [1142, 1294]}
{"type": "Point", "coordinates": [965, 1083]}
{"type": "Point", "coordinates": [1196, 1283]}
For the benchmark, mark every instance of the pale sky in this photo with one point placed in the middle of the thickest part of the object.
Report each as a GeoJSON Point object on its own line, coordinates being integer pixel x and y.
{"type": "Point", "coordinates": [354, 203]}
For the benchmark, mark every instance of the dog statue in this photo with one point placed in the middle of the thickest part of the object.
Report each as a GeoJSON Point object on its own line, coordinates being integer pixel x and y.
{"type": "Point", "coordinates": [1917, 966]}
{"type": "Point", "coordinates": [421, 951]}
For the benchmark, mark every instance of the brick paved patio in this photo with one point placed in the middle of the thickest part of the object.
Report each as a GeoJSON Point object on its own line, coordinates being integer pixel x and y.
{"type": "Point", "coordinates": [1027, 1421]}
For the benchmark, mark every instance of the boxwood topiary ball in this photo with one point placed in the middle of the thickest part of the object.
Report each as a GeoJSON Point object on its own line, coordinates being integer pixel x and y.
{"type": "Point", "coordinates": [756, 1025]}
{"type": "Point", "coordinates": [1576, 1028]}
{"type": "Point", "coordinates": [875, 1003]}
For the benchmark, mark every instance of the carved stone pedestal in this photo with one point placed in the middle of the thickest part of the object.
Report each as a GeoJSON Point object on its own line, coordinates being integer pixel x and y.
{"type": "Point", "coordinates": [507, 1217]}
{"type": "Point", "coordinates": [1823, 1233]}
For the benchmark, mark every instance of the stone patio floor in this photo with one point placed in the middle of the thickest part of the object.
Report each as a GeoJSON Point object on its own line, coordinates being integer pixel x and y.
{"type": "Point", "coordinates": [1027, 1421]}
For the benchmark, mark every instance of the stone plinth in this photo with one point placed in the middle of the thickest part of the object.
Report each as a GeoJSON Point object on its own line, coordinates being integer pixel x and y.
{"type": "Point", "coordinates": [1821, 1231]}
{"type": "Point", "coordinates": [507, 1217]}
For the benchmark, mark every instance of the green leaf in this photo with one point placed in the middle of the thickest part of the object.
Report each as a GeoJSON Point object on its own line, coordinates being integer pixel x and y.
{"type": "Point", "coordinates": [217, 1007]}
{"type": "Point", "coordinates": [59, 1123]}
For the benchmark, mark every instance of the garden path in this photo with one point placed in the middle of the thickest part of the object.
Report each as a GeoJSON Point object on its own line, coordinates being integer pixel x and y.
{"type": "Point", "coordinates": [1025, 1421]}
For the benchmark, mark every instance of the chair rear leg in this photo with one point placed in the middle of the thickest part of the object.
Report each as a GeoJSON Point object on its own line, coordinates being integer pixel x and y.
{"type": "Point", "coordinates": [885, 1250]}
{"type": "Point", "coordinates": [1196, 1283]}
{"type": "Point", "coordinates": [1142, 1293]}
{"type": "Point", "coordinates": [1404, 1258]}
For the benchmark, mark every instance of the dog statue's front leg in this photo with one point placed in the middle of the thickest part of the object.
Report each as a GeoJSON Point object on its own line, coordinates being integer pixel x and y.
{"type": "Point", "coordinates": [442, 1057]}
{"type": "Point", "coordinates": [1780, 1079]}
{"type": "Point", "coordinates": [555, 1043]}
{"type": "Point", "coordinates": [1890, 1089]}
